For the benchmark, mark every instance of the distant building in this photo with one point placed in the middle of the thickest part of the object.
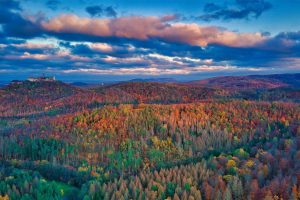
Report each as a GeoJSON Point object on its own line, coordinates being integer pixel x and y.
{"type": "Point", "coordinates": [42, 78]}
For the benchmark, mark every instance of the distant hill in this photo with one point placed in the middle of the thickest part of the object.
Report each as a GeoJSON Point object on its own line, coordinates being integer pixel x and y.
{"type": "Point", "coordinates": [292, 80]}
{"type": "Point", "coordinates": [264, 87]}
{"type": "Point", "coordinates": [275, 87]}
{"type": "Point", "coordinates": [251, 82]}
{"type": "Point", "coordinates": [79, 84]}
{"type": "Point", "coordinates": [155, 80]}
{"type": "Point", "coordinates": [154, 92]}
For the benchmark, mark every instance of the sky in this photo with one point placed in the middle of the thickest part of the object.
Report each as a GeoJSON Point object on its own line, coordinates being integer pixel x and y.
{"type": "Point", "coordinates": [113, 40]}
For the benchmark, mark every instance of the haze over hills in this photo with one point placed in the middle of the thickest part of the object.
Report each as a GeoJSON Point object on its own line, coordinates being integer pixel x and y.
{"type": "Point", "coordinates": [158, 80]}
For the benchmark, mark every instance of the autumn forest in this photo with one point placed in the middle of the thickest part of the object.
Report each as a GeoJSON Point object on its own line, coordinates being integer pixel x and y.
{"type": "Point", "coordinates": [219, 138]}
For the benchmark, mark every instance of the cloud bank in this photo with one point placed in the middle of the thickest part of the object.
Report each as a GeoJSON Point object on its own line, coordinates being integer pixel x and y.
{"type": "Point", "coordinates": [105, 44]}
{"type": "Point", "coordinates": [145, 28]}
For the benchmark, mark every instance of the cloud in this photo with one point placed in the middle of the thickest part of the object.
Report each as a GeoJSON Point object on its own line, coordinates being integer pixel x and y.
{"type": "Point", "coordinates": [14, 24]}
{"type": "Point", "coordinates": [153, 71]}
{"type": "Point", "coordinates": [183, 61]}
{"type": "Point", "coordinates": [10, 4]}
{"type": "Point", "coordinates": [21, 28]}
{"type": "Point", "coordinates": [289, 35]}
{"type": "Point", "coordinates": [154, 61]}
{"type": "Point", "coordinates": [102, 47]}
{"type": "Point", "coordinates": [110, 11]}
{"type": "Point", "coordinates": [284, 43]}
{"type": "Point", "coordinates": [53, 4]}
{"type": "Point", "coordinates": [29, 45]}
{"type": "Point", "coordinates": [98, 11]}
{"type": "Point", "coordinates": [5, 71]}
{"type": "Point", "coordinates": [146, 28]}
{"type": "Point", "coordinates": [17, 48]}
{"type": "Point", "coordinates": [7, 9]}
{"type": "Point", "coordinates": [53, 56]}
{"type": "Point", "coordinates": [138, 45]}
{"type": "Point", "coordinates": [94, 10]}
{"type": "Point", "coordinates": [168, 18]}
{"type": "Point", "coordinates": [243, 9]}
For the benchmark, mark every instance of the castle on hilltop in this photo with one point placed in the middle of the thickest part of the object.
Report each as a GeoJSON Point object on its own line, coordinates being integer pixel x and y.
{"type": "Point", "coordinates": [42, 78]}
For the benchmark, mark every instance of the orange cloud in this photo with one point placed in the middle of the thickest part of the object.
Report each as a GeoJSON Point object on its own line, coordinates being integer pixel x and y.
{"type": "Point", "coordinates": [143, 28]}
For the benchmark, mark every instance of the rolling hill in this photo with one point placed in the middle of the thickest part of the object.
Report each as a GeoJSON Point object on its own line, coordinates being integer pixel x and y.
{"type": "Point", "coordinates": [153, 92]}
{"type": "Point", "coordinates": [265, 87]}
{"type": "Point", "coordinates": [251, 82]}
{"type": "Point", "coordinates": [24, 97]}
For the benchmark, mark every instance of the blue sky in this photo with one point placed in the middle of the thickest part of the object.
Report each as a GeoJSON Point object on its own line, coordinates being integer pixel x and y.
{"type": "Point", "coordinates": [107, 40]}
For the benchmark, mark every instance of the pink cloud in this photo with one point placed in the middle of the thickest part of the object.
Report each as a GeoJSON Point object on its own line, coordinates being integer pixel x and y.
{"type": "Point", "coordinates": [102, 47]}
{"type": "Point", "coordinates": [57, 57]}
{"type": "Point", "coordinates": [29, 45]}
{"type": "Point", "coordinates": [143, 28]}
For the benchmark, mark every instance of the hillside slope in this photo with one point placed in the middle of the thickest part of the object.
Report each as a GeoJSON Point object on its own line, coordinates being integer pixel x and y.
{"type": "Point", "coordinates": [251, 82]}
{"type": "Point", "coordinates": [153, 92]}
{"type": "Point", "coordinates": [25, 97]}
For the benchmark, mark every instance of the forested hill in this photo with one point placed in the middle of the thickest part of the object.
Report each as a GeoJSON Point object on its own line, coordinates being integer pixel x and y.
{"type": "Point", "coordinates": [25, 97]}
{"type": "Point", "coordinates": [283, 87]}
{"type": "Point", "coordinates": [252, 81]}
{"type": "Point", "coordinates": [153, 92]}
